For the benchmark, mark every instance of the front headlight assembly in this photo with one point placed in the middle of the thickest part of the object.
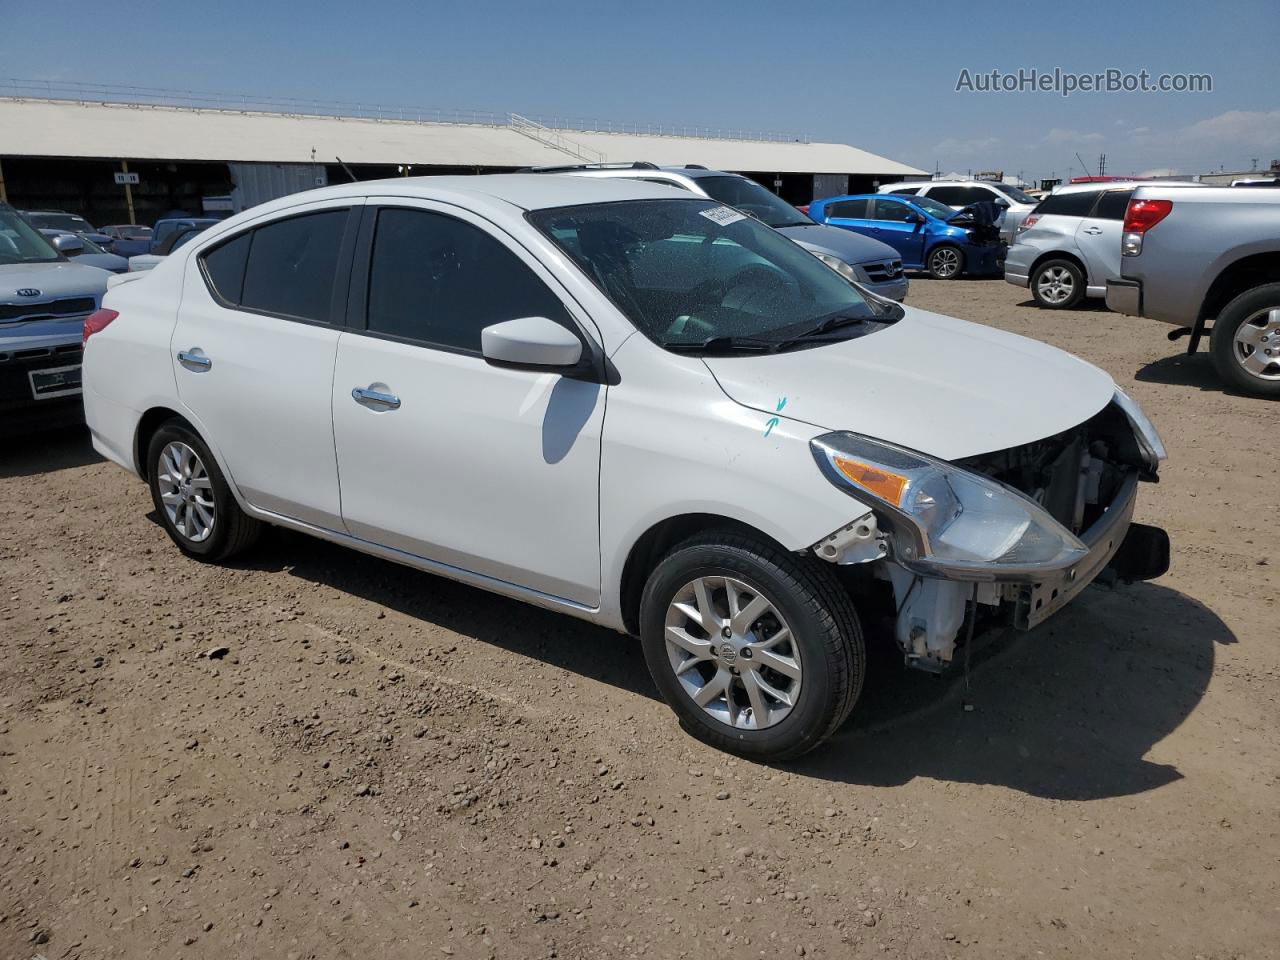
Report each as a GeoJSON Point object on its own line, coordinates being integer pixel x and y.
{"type": "Point", "coordinates": [846, 270]}
{"type": "Point", "coordinates": [1149, 442]}
{"type": "Point", "coordinates": [946, 521]}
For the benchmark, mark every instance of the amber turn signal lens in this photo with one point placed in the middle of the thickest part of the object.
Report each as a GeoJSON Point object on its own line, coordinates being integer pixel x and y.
{"type": "Point", "coordinates": [887, 486]}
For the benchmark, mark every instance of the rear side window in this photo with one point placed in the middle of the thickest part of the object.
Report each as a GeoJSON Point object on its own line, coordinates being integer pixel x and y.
{"type": "Point", "coordinates": [848, 209]}
{"type": "Point", "coordinates": [224, 267]}
{"type": "Point", "coordinates": [1112, 204]}
{"type": "Point", "coordinates": [291, 266]}
{"type": "Point", "coordinates": [1068, 204]}
{"type": "Point", "coordinates": [440, 281]}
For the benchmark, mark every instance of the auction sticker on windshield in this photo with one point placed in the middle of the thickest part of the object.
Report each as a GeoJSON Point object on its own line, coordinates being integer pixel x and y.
{"type": "Point", "coordinates": [723, 215]}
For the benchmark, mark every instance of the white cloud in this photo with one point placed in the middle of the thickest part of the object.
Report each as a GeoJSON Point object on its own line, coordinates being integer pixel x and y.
{"type": "Point", "coordinates": [951, 145]}
{"type": "Point", "coordinates": [1254, 128]}
{"type": "Point", "coordinates": [1059, 135]}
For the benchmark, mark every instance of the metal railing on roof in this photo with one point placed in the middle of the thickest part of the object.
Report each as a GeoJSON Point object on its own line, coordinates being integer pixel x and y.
{"type": "Point", "coordinates": [111, 93]}
{"type": "Point", "coordinates": [552, 138]}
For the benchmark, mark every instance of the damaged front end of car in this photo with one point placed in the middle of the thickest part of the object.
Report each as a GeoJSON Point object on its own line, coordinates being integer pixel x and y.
{"type": "Point", "coordinates": [1018, 532]}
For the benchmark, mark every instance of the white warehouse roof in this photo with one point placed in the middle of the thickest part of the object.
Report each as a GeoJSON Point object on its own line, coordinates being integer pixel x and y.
{"type": "Point", "coordinates": [64, 128]}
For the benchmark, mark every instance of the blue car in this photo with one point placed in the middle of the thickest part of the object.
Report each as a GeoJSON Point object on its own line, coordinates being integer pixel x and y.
{"type": "Point", "coordinates": [929, 235]}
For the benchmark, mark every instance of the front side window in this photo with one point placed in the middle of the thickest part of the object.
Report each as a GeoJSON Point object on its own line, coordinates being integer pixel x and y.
{"type": "Point", "coordinates": [891, 210]}
{"type": "Point", "coordinates": [292, 264]}
{"type": "Point", "coordinates": [905, 191]}
{"type": "Point", "coordinates": [438, 280]}
{"type": "Point", "coordinates": [961, 196]}
{"type": "Point", "coordinates": [749, 197]}
{"type": "Point", "coordinates": [690, 274]}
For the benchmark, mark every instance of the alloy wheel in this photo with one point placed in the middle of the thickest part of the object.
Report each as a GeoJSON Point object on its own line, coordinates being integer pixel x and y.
{"type": "Point", "coordinates": [946, 263]}
{"type": "Point", "coordinates": [733, 652]}
{"type": "Point", "coordinates": [1055, 285]}
{"type": "Point", "coordinates": [1256, 344]}
{"type": "Point", "coordinates": [186, 491]}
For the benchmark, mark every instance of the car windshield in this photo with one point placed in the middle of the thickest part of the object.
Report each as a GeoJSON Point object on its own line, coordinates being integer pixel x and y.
{"type": "Point", "coordinates": [749, 197]}
{"type": "Point", "coordinates": [693, 274]}
{"type": "Point", "coordinates": [933, 207]}
{"type": "Point", "coordinates": [1014, 194]}
{"type": "Point", "coordinates": [61, 221]}
{"type": "Point", "coordinates": [22, 243]}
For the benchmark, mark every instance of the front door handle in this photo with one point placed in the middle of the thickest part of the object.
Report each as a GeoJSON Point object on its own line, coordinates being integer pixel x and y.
{"type": "Point", "coordinates": [375, 398]}
{"type": "Point", "coordinates": [194, 360]}
{"type": "Point", "coordinates": [1093, 231]}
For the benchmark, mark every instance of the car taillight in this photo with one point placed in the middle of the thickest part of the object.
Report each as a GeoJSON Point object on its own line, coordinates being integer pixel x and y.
{"type": "Point", "coordinates": [1028, 223]}
{"type": "Point", "coordinates": [1139, 217]}
{"type": "Point", "coordinates": [1142, 215]}
{"type": "Point", "coordinates": [96, 321]}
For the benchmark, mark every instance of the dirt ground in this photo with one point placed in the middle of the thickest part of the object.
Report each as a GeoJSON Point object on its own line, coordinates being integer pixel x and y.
{"type": "Point", "coordinates": [385, 764]}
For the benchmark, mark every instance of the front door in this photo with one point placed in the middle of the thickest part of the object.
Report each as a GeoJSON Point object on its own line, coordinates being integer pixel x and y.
{"type": "Point", "coordinates": [253, 352]}
{"type": "Point", "coordinates": [894, 226]}
{"type": "Point", "coordinates": [442, 455]}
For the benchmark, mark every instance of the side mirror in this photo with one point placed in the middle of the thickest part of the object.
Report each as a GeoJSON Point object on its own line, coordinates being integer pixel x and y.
{"type": "Point", "coordinates": [532, 343]}
{"type": "Point", "coordinates": [913, 217]}
{"type": "Point", "coordinates": [1002, 204]}
{"type": "Point", "coordinates": [69, 245]}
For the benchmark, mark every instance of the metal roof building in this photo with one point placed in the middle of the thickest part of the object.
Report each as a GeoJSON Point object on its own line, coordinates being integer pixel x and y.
{"type": "Point", "coordinates": [65, 153]}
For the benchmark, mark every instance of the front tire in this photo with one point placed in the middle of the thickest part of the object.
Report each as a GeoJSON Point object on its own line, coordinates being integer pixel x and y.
{"type": "Point", "coordinates": [1245, 344]}
{"type": "Point", "coordinates": [758, 652]}
{"type": "Point", "coordinates": [1057, 285]}
{"type": "Point", "coordinates": [945, 262]}
{"type": "Point", "coordinates": [192, 497]}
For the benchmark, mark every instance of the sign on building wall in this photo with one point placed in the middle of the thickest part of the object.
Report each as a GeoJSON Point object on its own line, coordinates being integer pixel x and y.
{"type": "Point", "coordinates": [127, 178]}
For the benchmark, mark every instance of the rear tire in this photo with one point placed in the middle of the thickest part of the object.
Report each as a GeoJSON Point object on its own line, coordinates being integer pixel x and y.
{"type": "Point", "coordinates": [1057, 285]}
{"type": "Point", "coordinates": [192, 497]}
{"type": "Point", "coordinates": [945, 262]}
{"type": "Point", "coordinates": [804, 624]}
{"type": "Point", "coordinates": [1238, 347]}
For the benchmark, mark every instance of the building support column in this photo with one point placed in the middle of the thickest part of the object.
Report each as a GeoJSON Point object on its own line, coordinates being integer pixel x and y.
{"type": "Point", "coordinates": [128, 193]}
{"type": "Point", "coordinates": [4, 196]}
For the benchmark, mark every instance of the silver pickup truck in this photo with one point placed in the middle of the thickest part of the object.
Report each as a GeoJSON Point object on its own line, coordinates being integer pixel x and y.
{"type": "Point", "coordinates": [1207, 259]}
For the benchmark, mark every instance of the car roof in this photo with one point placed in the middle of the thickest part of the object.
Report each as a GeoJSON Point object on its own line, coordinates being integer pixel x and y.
{"type": "Point", "coordinates": [528, 191]}
{"type": "Point", "coordinates": [1120, 185]}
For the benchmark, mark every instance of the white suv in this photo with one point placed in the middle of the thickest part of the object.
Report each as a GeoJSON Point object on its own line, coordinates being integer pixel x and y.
{"type": "Point", "coordinates": [1013, 202]}
{"type": "Point", "coordinates": [643, 409]}
{"type": "Point", "coordinates": [1069, 246]}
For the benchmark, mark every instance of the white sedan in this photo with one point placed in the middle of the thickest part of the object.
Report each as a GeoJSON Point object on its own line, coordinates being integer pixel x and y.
{"type": "Point", "coordinates": [645, 410]}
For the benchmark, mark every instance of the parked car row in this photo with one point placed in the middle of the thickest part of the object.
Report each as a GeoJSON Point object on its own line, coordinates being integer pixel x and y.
{"type": "Point", "coordinates": [1204, 258]}
{"type": "Point", "coordinates": [419, 369]}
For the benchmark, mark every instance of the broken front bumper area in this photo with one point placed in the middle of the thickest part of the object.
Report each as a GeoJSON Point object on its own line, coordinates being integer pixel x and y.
{"type": "Point", "coordinates": [933, 610]}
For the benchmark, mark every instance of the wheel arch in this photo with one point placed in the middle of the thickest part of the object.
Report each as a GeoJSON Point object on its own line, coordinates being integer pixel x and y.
{"type": "Point", "coordinates": [148, 424]}
{"type": "Point", "coordinates": [654, 544]}
{"type": "Point", "coordinates": [1237, 278]}
{"type": "Point", "coordinates": [1057, 255]}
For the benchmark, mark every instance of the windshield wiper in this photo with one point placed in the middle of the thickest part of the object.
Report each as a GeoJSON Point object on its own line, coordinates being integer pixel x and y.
{"type": "Point", "coordinates": [827, 324]}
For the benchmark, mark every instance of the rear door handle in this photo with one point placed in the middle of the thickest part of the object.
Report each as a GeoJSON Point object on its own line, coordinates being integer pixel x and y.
{"type": "Point", "coordinates": [375, 398]}
{"type": "Point", "coordinates": [194, 360]}
{"type": "Point", "coordinates": [1093, 231]}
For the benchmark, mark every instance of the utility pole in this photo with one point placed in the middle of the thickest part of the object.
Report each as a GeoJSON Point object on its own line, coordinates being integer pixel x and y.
{"type": "Point", "coordinates": [1102, 164]}
{"type": "Point", "coordinates": [4, 197]}
{"type": "Point", "coordinates": [128, 192]}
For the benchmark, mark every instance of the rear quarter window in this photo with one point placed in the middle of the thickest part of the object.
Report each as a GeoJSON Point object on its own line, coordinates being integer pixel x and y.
{"type": "Point", "coordinates": [1068, 204]}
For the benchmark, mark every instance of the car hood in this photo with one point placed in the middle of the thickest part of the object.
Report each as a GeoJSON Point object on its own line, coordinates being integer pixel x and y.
{"type": "Point", "coordinates": [54, 281]}
{"type": "Point", "coordinates": [936, 384]}
{"type": "Point", "coordinates": [842, 244]}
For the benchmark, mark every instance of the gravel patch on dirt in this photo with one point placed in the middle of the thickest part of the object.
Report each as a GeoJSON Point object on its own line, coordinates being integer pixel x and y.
{"type": "Point", "coordinates": [314, 753]}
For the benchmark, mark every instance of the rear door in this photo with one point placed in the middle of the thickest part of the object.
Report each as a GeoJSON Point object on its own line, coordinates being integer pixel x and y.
{"type": "Point", "coordinates": [852, 215]}
{"type": "Point", "coordinates": [443, 455]}
{"type": "Point", "coordinates": [890, 218]}
{"type": "Point", "coordinates": [253, 353]}
{"type": "Point", "coordinates": [1098, 237]}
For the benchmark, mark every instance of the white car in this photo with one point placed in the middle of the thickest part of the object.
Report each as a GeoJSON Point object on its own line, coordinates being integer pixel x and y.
{"type": "Point", "coordinates": [1014, 202]}
{"type": "Point", "coordinates": [1068, 247]}
{"type": "Point", "coordinates": [640, 408]}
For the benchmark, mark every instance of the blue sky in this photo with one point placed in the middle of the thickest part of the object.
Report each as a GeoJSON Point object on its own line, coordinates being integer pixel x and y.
{"type": "Point", "coordinates": [868, 74]}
